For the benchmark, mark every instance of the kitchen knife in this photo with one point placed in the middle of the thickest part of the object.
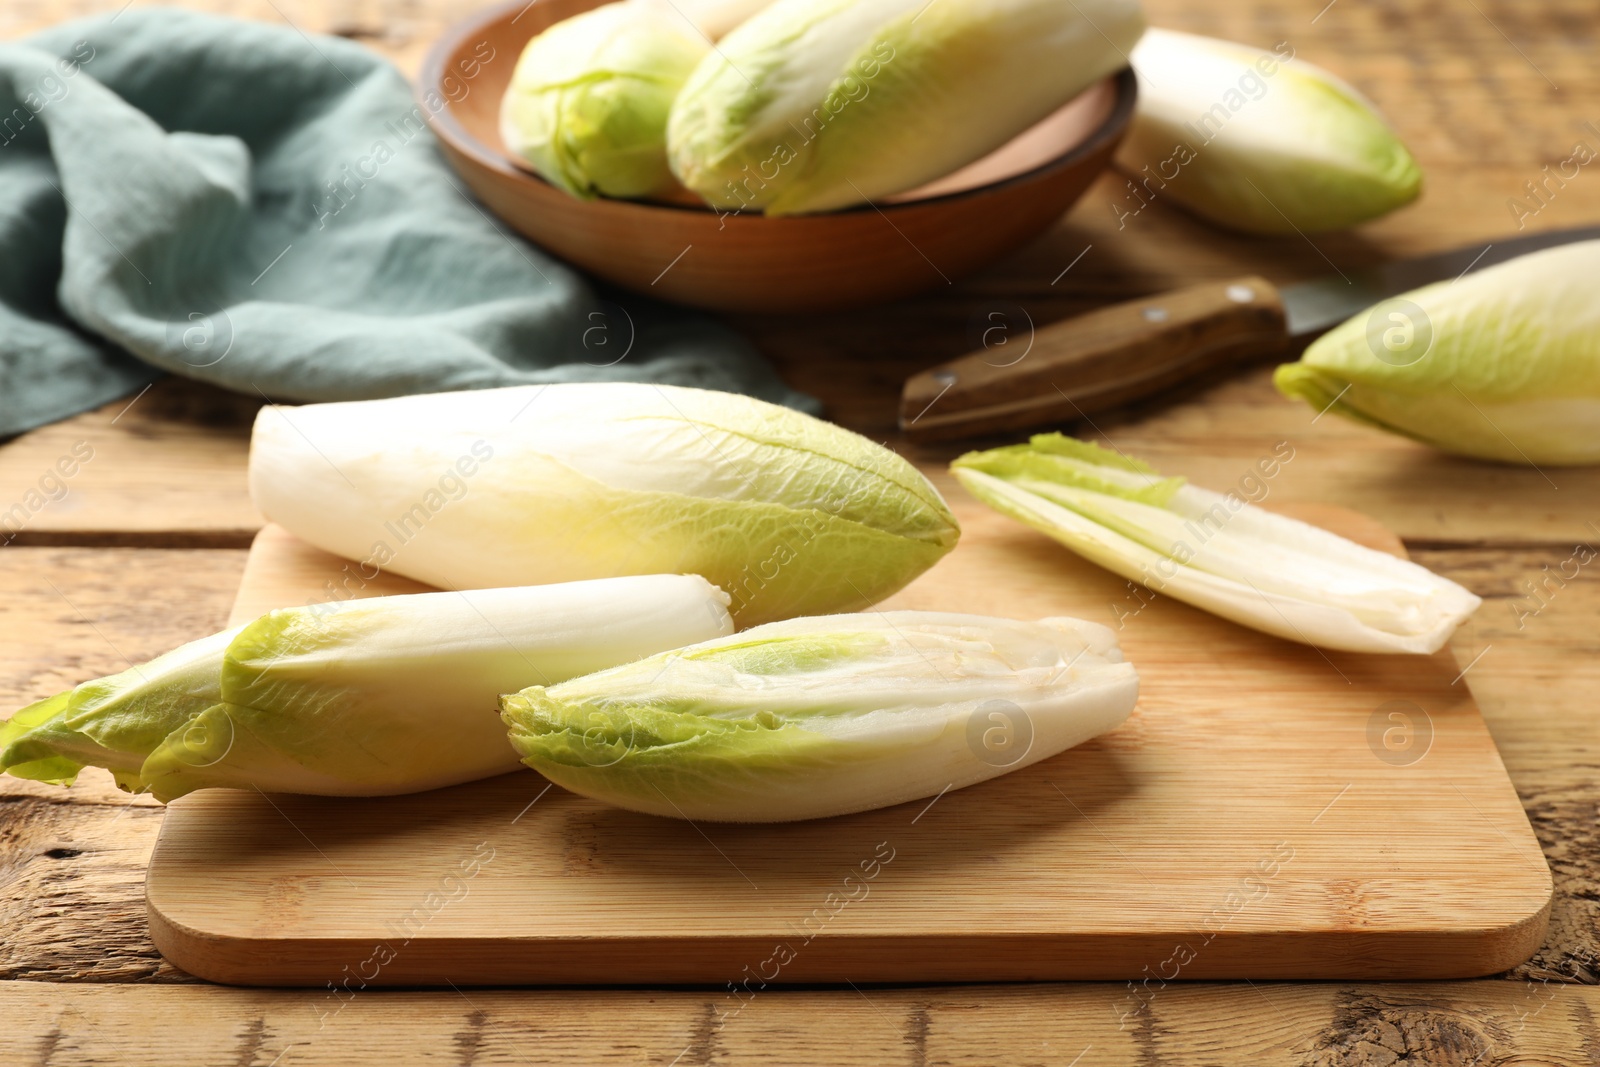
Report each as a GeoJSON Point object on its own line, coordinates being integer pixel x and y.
{"type": "Point", "coordinates": [1108, 357]}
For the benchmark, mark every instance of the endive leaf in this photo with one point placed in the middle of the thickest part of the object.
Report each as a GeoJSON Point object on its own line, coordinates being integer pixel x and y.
{"type": "Point", "coordinates": [1220, 553]}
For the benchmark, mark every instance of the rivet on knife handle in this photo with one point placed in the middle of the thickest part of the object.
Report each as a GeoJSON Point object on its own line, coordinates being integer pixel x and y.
{"type": "Point", "coordinates": [1096, 361]}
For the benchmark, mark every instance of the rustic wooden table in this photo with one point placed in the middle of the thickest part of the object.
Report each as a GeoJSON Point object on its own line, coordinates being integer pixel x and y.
{"type": "Point", "coordinates": [145, 549]}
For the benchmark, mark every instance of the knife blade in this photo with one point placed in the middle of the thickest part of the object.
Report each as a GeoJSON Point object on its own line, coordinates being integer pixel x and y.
{"type": "Point", "coordinates": [1118, 354]}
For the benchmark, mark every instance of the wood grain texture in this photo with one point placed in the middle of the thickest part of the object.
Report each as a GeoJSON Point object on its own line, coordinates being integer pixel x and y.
{"type": "Point", "coordinates": [1249, 820]}
{"type": "Point", "coordinates": [1547, 645]}
{"type": "Point", "coordinates": [162, 467]}
{"type": "Point", "coordinates": [1448, 1024]}
{"type": "Point", "coordinates": [72, 863]}
{"type": "Point", "coordinates": [1465, 85]}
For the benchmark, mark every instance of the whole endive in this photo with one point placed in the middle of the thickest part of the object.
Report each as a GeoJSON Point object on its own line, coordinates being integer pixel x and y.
{"type": "Point", "coordinates": [1502, 363]}
{"type": "Point", "coordinates": [588, 102]}
{"type": "Point", "coordinates": [824, 716]}
{"type": "Point", "coordinates": [789, 514]}
{"type": "Point", "coordinates": [1257, 140]}
{"type": "Point", "coordinates": [1217, 551]}
{"type": "Point", "coordinates": [354, 698]}
{"type": "Point", "coordinates": [813, 105]}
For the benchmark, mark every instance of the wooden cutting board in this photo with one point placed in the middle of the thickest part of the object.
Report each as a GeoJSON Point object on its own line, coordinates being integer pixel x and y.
{"type": "Point", "coordinates": [1269, 811]}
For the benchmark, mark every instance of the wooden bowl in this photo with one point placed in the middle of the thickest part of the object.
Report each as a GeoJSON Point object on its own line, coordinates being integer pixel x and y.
{"type": "Point", "coordinates": [685, 252]}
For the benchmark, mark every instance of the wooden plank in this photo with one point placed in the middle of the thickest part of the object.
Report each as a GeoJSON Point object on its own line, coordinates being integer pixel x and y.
{"type": "Point", "coordinates": [70, 614]}
{"type": "Point", "coordinates": [1265, 1024]}
{"type": "Point", "coordinates": [72, 862]}
{"type": "Point", "coordinates": [1282, 859]}
{"type": "Point", "coordinates": [1550, 743]}
{"type": "Point", "coordinates": [163, 467]}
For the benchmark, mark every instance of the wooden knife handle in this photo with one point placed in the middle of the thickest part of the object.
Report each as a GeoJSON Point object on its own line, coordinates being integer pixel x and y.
{"type": "Point", "coordinates": [1096, 361]}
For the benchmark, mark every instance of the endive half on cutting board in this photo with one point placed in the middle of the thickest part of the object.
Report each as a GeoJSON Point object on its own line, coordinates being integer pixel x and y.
{"type": "Point", "coordinates": [825, 715]}
{"type": "Point", "coordinates": [1217, 551]}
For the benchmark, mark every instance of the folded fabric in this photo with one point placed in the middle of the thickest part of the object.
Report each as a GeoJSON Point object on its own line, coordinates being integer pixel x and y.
{"type": "Point", "coordinates": [265, 210]}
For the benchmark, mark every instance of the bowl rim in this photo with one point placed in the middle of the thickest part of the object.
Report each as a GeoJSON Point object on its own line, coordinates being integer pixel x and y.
{"type": "Point", "coordinates": [455, 135]}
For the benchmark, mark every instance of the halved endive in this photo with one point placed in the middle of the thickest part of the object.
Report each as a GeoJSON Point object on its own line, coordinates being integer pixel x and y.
{"type": "Point", "coordinates": [355, 698]}
{"type": "Point", "coordinates": [1501, 364]}
{"type": "Point", "coordinates": [533, 484]}
{"type": "Point", "coordinates": [813, 105]}
{"type": "Point", "coordinates": [1217, 551]}
{"type": "Point", "coordinates": [824, 716]}
{"type": "Point", "coordinates": [1259, 141]}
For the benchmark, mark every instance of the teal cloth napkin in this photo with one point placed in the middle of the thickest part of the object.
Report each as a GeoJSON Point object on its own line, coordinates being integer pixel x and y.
{"type": "Point", "coordinates": [243, 204]}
